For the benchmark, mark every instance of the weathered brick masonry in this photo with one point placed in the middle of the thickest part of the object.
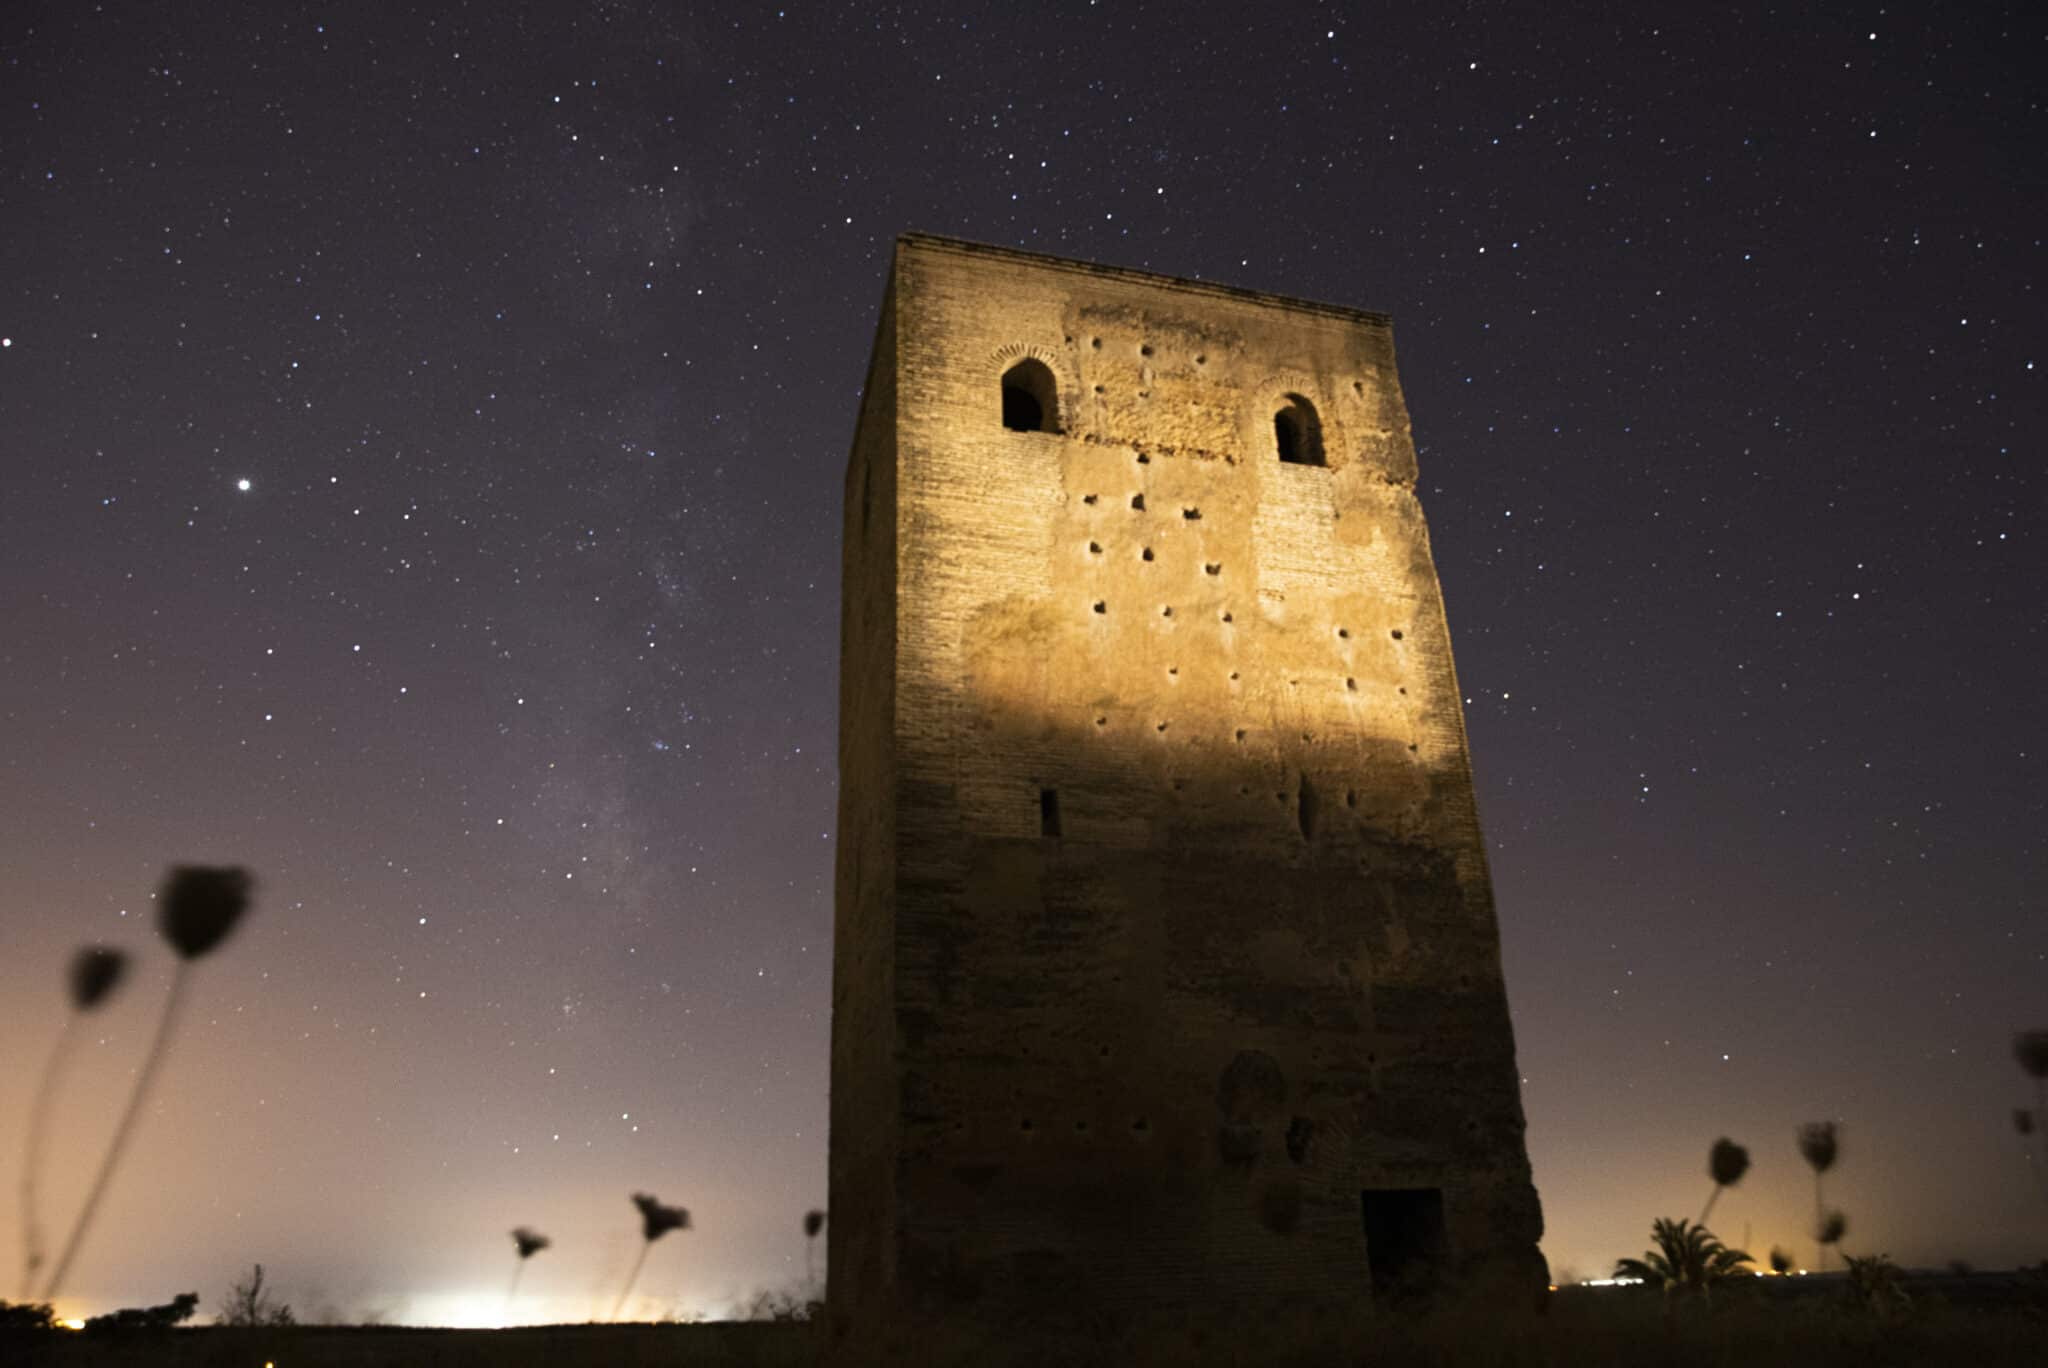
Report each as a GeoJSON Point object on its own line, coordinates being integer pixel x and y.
{"type": "Point", "coordinates": [1166, 965]}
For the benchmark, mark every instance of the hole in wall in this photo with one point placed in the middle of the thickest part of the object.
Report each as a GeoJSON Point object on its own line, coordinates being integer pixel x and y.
{"type": "Point", "coordinates": [1192, 514]}
{"type": "Point", "coordinates": [1166, 611]}
{"type": "Point", "coordinates": [1240, 736]}
{"type": "Point", "coordinates": [1145, 349]}
{"type": "Point", "coordinates": [1351, 798]}
{"type": "Point", "coordinates": [1088, 498]}
{"type": "Point", "coordinates": [1344, 634]}
{"type": "Point", "coordinates": [1351, 684]}
{"type": "Point", "coordinates": [1094, 548]}
{"type": "Point", "coordinates": [1095, 342]}
{"type": "Point", "coordinates": [1397, 634]}
{"type": "Point", "coordinates": [1048, 812]}
{"type": "Point", "coordinates": [1228, 618]}
{"type": "Point", "coordinates": [1233, 676]}
{"type": "Point", "coordinates": [1101, 607]}
{"type": "Point", "coordinates": [1138, 502]}
{"type": "Point", "coordinates": [1162, 726]}
{"type": "Point", "coordinates": [1101, 721]}
{"type": "Point", "coordinates": [1212, 567]}
{"type": "Point", "coordinates": [1143, 459]}
{"type": "Point", "coordinates": [1358, 387]}
{"type": "Point", "coordinates": [1100, 390]}
{"type": "Point", "coordinates": [1201, 360]}
{"type": "Point", "coordinates": [1146, 554]}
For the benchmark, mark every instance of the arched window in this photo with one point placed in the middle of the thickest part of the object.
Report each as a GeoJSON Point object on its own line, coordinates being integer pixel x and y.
{"type": "Point", "coordinates": [1298, 433]}
{"type": "Point", "coordinates": [1030, 398]}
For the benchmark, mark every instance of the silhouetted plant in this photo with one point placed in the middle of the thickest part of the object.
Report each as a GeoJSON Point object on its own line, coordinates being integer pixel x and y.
{"type": "Point", "coordinates": [1726, 1163]}
{"type": "Point", "coordinates": [96, 971]}
{"type": "Point", "coordinates": [198, 908]}
{"type": "Point", "coordinates": [140, 1319]}
{"type": "Point", "coordinates": [656, 1221]}
{"type": "Point", "coordinates": [249, 1304]}
{"type": "Point", "coordinates": [19, 1317]}
{"type": "Point", "coordinates": [2030, 1048]}
{"type": "Point", "coordinates": [814, 1221]}
{"type": "Point", "coordinates": [1829, 1228]}
{"type": "Point", "coordinates": [1874, 1285]}
{"type": "Point", "coordinates": [1688, 1258]}
{"type": "Point", "coordinates": [1820, 1144]}
{"type": "Point", "coordinates": [528, 1242]}
{"type": "Point", "coordinates": [1781, 1262]}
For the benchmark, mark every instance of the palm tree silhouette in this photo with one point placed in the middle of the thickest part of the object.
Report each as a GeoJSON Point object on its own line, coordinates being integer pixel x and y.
{"type": "Point", "coordinates": [1726, 1163]}
{"type": "Point", "coordinates": [1687, 1259]}
{"type": "Point", "coordinates": [1820, 1144]}
{"type": "Point", "coordinates": [96, 971]}
{"type": "Point", "coordinates": [656, 1221]}
{"type": "Point", "coordinates": [198, 908]}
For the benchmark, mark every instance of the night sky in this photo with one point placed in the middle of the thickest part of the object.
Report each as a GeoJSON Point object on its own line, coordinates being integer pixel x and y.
{"type": "Point", "coordinates": [421, 435]}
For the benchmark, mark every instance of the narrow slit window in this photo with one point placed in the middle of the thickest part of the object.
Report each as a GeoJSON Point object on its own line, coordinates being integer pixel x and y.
{"type": "Point", "coordinates": [1048, 812]}
{"type": "Point", "coordinates": [1298, 433]}
{"type": "Point", "coordinates": [1030, 399]}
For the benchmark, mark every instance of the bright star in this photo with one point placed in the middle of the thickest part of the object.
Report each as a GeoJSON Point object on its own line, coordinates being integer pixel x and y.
{"type": "Point", "coordinates": [242, 485]}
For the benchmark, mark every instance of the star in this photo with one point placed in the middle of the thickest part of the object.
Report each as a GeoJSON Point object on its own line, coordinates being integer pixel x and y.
{"type": "Point", "coordinates": [243, 484]}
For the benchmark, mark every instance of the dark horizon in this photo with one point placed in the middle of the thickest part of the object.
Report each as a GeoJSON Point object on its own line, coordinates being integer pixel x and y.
{"type": "Point", "coordinates": [424, 437]}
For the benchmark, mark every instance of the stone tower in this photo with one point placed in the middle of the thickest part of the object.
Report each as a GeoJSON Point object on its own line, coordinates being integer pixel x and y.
{"type": "Point", "coordinates": [1166, 969]}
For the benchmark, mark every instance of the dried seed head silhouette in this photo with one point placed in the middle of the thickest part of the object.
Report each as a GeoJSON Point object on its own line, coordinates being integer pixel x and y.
{"type": "Point", "coordinates": [96, 971]}
{"type": "Point", "coordinates": [1820, 1144]}
{"type": "Point", "coordinates": [198, 908]}
{"type": "Point", "coordinates": [1726, 1163]}
{"type": "Point", "coordinates": [529, 1241]}
{"type": "Point", "coordinates": [657, 1220]}
{"type": "Point", "coordinates": [201, 906]}
{"type": "Point", "coordinates": [1831, 1227]}
{"type": "Point", "coordinates": [2030, 1048]}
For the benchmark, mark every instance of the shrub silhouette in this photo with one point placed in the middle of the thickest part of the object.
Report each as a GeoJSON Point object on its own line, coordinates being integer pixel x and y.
{"type": "Point", "coordinates": [142, 1319]}
{"type": "Point", "coordinates": [25, 1317]}
{"type": "Point", "coordinates": [96, 971]}
{"type": "Point", "coordinates": [1726, 1163]}
{"type": "Point", "coordinates": [656, 1221]}
{"type": "Point", "coordinates": [198, 908]}
{"type": "Point", "coordinates": [248, 1304]}
{"type": "Point", "coordinates": [1874, 1285]}
{"type": "Point", "coordinates": [1688, 1258]}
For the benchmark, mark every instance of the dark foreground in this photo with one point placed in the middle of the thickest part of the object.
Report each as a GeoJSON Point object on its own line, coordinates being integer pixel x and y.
{"type": "Point", "coordinates": [1980, 1324]}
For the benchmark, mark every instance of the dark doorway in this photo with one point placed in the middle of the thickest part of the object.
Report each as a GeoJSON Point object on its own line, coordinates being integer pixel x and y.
{"type": "Point", "coordinates": [1404, 1240]}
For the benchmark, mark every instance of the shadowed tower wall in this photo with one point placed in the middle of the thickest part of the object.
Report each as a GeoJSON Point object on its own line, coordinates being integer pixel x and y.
{"type": "Point", "coordinates": [1166, 968]}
